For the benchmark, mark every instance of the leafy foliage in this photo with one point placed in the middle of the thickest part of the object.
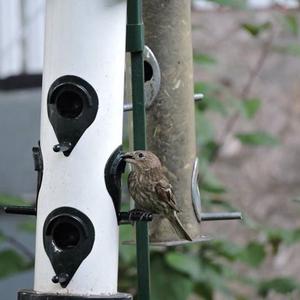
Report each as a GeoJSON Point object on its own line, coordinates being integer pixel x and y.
{"type": "Point", "coordinates": [250, 107]}
{"type": "Point", "coordinates": [184, 264]}
{"type": "Point", "coordinates": [28, 226]}
{"type": "Point", "coordinates": [167, 284]}
{"type": "Point", "coordinates": [282, 285]}
{"type": "Point", "coordinates": [289, 49]}
{"type": "Point", "coordinates": [256, 29]}
{"type": "Point", "coordinates": [291, 23]}
{"type": "Point", "coordinates": [212, 185]}
{"type": "Point", "coordinates": [258, 138]}
{"type": "Point", "coordinates": [11, 200]}
{"type": "Point", "coordinates": [203, 58]}
{"type": "Point", "coordinates": [12, 262]}
{"type": "Point", "coordinates": [253, 254]}
{"type": "Point", "coordinates": [237, 4]}
{"type": "Point", "coordinates": [207, 268]}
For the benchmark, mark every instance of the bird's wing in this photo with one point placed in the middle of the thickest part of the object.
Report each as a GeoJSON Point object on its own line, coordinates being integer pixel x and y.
{"type": "Point", "coordinates": [165, 193]}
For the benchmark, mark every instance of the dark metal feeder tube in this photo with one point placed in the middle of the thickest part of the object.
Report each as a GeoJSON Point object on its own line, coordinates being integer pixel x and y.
{"type": "Point", "coordinates": [170, 118]}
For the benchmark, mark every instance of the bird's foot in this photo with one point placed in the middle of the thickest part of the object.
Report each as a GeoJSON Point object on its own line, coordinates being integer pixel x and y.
{"type": "Point", "coordinates": [134, 215]}
{"type": "Point", "coordinates": [139, 215]}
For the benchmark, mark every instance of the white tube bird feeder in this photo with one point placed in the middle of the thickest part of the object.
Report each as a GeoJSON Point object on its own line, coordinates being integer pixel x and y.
{"type": "Point", "coordinates": [81, 127]}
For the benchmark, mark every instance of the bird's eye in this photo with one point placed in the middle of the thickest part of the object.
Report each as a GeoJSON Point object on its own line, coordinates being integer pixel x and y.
{"type": "Point", "coordinates": [141, 155]}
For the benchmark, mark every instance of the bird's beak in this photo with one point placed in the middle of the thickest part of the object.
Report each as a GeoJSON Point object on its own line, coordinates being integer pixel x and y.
{"type": "Point", "coordinates": [128, 157]}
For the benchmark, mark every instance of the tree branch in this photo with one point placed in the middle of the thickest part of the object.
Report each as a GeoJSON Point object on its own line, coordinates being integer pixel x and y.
{"type": "Point", "coordinates": [244, 94]}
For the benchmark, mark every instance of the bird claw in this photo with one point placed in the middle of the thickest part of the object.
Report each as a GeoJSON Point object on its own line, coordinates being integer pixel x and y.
{"type": "Point", "coordinates": [139, 215]}
{"type": "Point", "coordinates": [134, 215]}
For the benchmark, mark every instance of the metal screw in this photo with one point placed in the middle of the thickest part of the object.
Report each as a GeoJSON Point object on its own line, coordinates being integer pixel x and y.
{"type": "Point", "coordinates": [55, 279]}
{"type": "Point", "coordinates": [62, 147]}
{"type": "Point", "coordinates": [61, 278]}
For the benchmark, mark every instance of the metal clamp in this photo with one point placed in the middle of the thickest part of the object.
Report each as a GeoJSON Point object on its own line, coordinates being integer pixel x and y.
{"type": "Point", "coordinates": [152, 76]}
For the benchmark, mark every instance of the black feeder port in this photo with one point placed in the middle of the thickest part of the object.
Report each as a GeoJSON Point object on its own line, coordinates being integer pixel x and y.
{"type": "Point", "coordinates": [68, 237]}
{"type": "Point", "coordinates": [72, 105]}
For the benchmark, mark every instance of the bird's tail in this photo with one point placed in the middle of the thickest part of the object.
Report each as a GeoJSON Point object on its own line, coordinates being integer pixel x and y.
{"type": "Point", "coordinates": [177, 225]}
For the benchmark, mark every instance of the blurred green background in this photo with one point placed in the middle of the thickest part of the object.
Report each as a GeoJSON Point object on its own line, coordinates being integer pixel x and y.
{"type": "Point", "coordinates": [246, 62]}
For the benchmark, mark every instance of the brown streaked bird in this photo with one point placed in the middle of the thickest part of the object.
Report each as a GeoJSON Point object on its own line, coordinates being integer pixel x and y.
{"type": "Point", "coordinates": [151, 190]}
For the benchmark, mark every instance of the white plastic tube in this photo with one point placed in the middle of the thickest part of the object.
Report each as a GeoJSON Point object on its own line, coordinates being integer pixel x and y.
{"type": "Point", "coordinates": [85, 39]}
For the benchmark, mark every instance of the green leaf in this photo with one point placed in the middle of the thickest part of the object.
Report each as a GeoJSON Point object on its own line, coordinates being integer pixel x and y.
{"type": "Point", "coordinates": [253, 254]}
{"type": "Point", "coordinates": [256, 29]}
{"type": "Point", "coordinates": [277, 236]}
{"type": "Point", "coordinates": [167, 284]}
{"type": "Point", "coordinates": [292, 236]}
{"type": "Point", "coordinates": [250, 107]}
{"type": "Point", "coordinates": [216, 105]}
{"type": "Point", "coordinates": [213, 188]}
{"type": "Point", "coordinates": [209, 149]}
{"type": "Point", "coordinates": [281, 285]}
{"type": "Point", "coordinates": [28, 226]}
{"type": "Point", "coordinates": [11, 200]}
{"type": "Point", "coordinates": [226, 249]}
{"type": "Point", "coordinates": [291, 49]}
{"type": "Point", "coordinates": [214, 275]}
{"type": "Point", "coordinates": [291, 23]}
{"type": "Point", "coordinates": [258, 138]}
{"type": "Point", "coordinates": [287, 236]}
{"type": "Point", "coordinates": [204, 128]}
{"type": "Point", "coordinates": [206, 88]}
{"type": "Point", "coordinates": [204, 59]}
{"type": "Point", "coordinates": [212, 100]}
{"type": "Point", "coordinates": [237, 4]}
{"type": "Point", "coordinates": [222, 203]}
{"type": "Point", "coordinates": [11, 262]}
{"type": "Point", "coordinates": [205, 290]}
{"type": "Point", "coordinates": [212, 185]}
{"type": "Point", "coordinates": [184, 263]}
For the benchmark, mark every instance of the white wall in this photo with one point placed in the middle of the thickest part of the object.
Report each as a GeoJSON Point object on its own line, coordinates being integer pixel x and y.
{"type": "Point", "coordinates": [22, 33]}
{"type": "Point", "coordinates": [21, 36]}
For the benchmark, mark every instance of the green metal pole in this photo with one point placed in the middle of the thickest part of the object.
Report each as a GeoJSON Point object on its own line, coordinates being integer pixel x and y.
{"type": "Point", "coordinates": [135, 45]}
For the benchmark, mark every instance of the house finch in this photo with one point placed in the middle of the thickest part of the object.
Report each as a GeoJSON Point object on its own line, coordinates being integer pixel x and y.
{"type": "Point", "coordinates": [151, 190]}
